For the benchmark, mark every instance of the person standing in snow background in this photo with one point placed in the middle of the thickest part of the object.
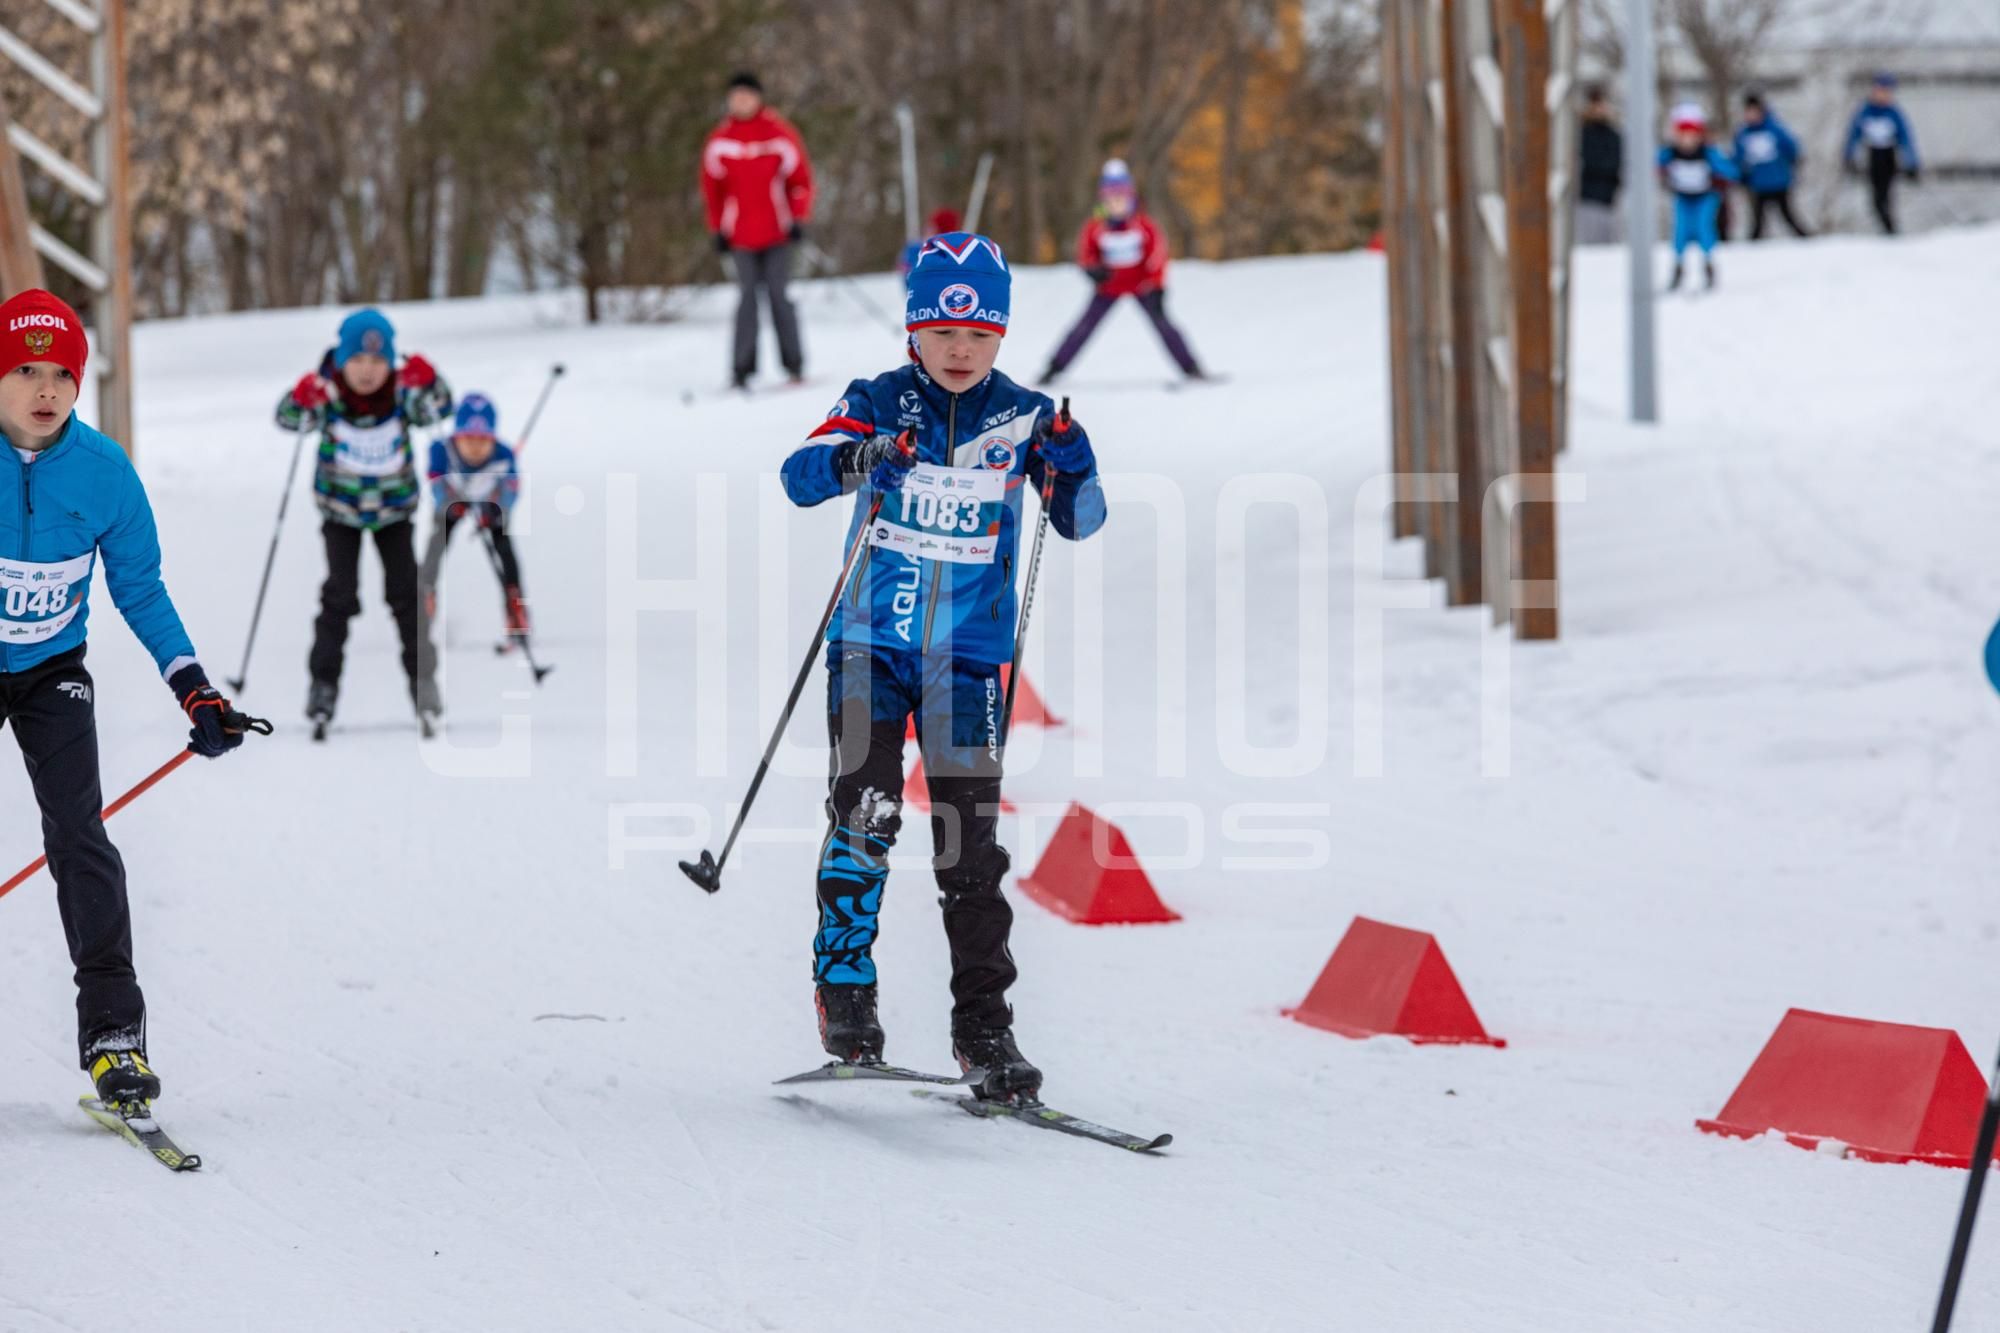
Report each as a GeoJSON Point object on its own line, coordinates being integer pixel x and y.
{"type": "Point", "coordinates": [947, 447]}
{"type": "Point", "coordinates": [1601, 162]}
{"type": "Point", "coordinates": [757, 185]}
{"type": "Point", "coordinates": [91, 508]}
{"type": "Point", "coordinates": [364, 405]}
{"type": "Point", "coordinates": [1880, 127]}
{"type": "Point", "coordinates": [1123, 253]}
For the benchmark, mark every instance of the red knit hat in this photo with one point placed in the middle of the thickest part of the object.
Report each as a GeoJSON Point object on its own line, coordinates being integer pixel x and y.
{"type": "Point", "coordinates": [39, 326]}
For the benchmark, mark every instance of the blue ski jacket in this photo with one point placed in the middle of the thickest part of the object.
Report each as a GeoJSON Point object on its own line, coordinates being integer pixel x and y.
{"type": "Point", "coordinates": [899, 599]}
{"type": "Point", "coordinates": [1766, 155]}
{"type": "Point", "coordinates": [78, 501]}
{"type": "Point", "coordinates": [1881, 127]}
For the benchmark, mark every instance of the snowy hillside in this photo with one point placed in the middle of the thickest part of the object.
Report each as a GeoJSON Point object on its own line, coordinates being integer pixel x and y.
{"type": "Point", "coordinates": [463, 1050]}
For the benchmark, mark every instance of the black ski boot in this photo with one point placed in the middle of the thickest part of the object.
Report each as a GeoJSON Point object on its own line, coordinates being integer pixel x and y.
{"type": "Point", "coordinates": [1674, 283]}
{"type": "Point", "coordinates": [1708, 276]}
{"type": "Point", "coordinates": [848, 1028]}
{"type": "Point", "coordinates": [320, 699]}
{"type": "Point", "coordinates": [1009, 1076]}
{"type": "Point", "coordinates": [123, 1078]}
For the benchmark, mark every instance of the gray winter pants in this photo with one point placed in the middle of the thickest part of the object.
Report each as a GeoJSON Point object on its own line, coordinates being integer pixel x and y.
{"type": "Point", "coordinates": [769, 269]}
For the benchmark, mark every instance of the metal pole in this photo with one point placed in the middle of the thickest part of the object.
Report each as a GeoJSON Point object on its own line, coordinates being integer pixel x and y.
{"type": "Point", "coordinates": [1641, 223]}
{"type": "Point", "coordinates": [977, 204]}
{"type": "Point", "coordinates": [906, 128]}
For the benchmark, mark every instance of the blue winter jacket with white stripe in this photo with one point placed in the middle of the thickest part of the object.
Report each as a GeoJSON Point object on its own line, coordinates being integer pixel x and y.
{"type": "Point", "coordinates": [79, 501]}
{"type": "Point", "coordinates": [962, 604]}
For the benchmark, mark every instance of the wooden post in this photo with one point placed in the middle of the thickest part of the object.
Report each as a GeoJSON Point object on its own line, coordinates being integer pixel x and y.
{"type": "Point", "coordinates": [20, 266]}
{"type": "Point", "coordinates": [1397, 251]}
{"type": "Point", "coordinates": [1462, 568]}
{"type": "Point", "coordinates": [114, 233]}
{"type": "Point", "coordinates": [1524, 65]}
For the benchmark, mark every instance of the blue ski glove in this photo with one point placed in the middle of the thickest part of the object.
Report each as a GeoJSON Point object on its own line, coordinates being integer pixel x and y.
{"type": "Point", "coordinates": [1066, 448]}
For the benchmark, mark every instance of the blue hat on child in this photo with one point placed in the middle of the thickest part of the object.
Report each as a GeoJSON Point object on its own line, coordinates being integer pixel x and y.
{"type": "Point", "coordinates": [366, 330]}
{"type": "Point", "coordinates": [960, 278]}
{"type": "Point", "coordinates": [476, 416]}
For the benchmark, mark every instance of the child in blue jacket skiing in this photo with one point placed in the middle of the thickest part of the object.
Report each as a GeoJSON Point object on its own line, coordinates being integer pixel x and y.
{"type": "Point", "coordinates": [1693, 169]}
{"type": "Point", "coordinates": [947, 448]}
{"type": "Point", "coordinates": [1880, 126]}
{"type": "Point", "coordinates": [473, 478]}
{"type": "Point", "coordinates": [1766, 155]}
{"type": "Point", "coordinates": [71, 505]}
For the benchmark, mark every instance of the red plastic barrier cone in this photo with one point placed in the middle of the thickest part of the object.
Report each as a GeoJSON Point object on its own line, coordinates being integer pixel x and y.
{"type": "Point", "coordinates": [917, 790]}
{"type": "Point", "coordinates": [1887, 1092]}
{"type": "Point", "coordinates": [1089, 875]}
{"type": "Point", "coordinates": [1384, 979]}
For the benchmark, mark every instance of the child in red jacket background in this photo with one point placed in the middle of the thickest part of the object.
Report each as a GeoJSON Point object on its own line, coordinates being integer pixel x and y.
{"type": "Point", "coordinates": [1124, 254]}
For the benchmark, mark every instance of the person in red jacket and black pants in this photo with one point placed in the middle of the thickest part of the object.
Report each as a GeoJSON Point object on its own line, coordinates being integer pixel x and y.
{"type": "Point", "coordinates": [1124, 254]}
{"type": "Point", "coordinates": [757, 182]}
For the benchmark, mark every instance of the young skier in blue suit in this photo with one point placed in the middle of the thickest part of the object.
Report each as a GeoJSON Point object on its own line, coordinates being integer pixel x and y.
{"type": "Point", "coordinates": [1692, 168]}
{"type": "Point", "coordinates": [950, 445]}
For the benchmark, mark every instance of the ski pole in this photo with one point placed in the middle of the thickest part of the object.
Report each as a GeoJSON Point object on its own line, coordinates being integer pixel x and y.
{"type": "Point", "coordinates": [1968, 1212]}
{"type": "Point", "coordinates": [270, 558]}
{"type": "Point", "coordinates": [1028, 597]}
{"type": "Point", "coordinates": [493, 557]}
{"type": "Point", "coordinates": [535, 413]}
{"type": "Point", "coordinates": [975, 204]}
{"type": "Point", "coordinates": [708, 871]}
{"type": "Point", "coordinates": [826, 265]}
{"type": "Point", "coordinates": [256, 724]}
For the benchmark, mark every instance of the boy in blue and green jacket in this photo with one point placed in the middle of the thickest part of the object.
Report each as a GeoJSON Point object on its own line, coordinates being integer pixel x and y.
{"type": "Point", "coordinates": [364, 404]}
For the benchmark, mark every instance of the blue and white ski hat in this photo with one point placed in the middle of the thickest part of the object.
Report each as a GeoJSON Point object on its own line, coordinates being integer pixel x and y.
{"type": "Point", "coordinates": [366, 330]}
{"type": "Point", "coordinates": [960, 278]}
{"type": "Point", "coordinates": [476, 416]}
{"type": "Point", "coordinates": [1115, 176]}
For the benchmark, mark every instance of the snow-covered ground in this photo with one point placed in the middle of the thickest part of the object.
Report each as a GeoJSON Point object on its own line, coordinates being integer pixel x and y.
{"type": "Point", "coordinates": [463, 1050]}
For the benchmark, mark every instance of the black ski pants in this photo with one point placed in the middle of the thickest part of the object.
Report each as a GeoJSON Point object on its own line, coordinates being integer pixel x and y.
{"type": "Point", "coordinates": [1781, 200]}
{"type": "Point", "coordinates": [871, 697]}
{"type": "Point", "coordinates": [52, 708]}
{"type": "Point", "coordinates": [340, 597]}
{"type": "Point", "coordinates": [1882, 167]}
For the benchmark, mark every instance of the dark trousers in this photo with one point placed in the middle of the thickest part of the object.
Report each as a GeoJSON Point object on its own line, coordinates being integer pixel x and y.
{"type": "Point", "coordinates": [1882, 186]}
{"type": "Point", "coordinates": [510, 566]}
{"type": "Point", "coordinates": [52, 708]}
{"type": "Point", "coordinates": [1154, 303]}
{"type": "Point", "coordinates": [340, 597]}
{"type": "Point", "coordinates": [871, 695]}
{"type": "Point", "coordinates": [1781, 200]}
{"type": "Point", "coordinates": [769, 269]}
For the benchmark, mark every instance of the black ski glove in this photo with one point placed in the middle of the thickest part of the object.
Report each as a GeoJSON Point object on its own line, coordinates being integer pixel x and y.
{"type": "Point", "coordinates": [721, 244]}
{"type": "Point", "coordinates": [797, 233]}
{"type": "Point", "coordinates": [884, 460]}
{"type": "Point", "coordinates": [1098, 274]}
{"type": "Point", "coordinates": [218, 728]}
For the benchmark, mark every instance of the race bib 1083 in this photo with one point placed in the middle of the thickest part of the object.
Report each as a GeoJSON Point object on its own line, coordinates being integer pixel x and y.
{"type": "Point", "coordinates": [943, 513]}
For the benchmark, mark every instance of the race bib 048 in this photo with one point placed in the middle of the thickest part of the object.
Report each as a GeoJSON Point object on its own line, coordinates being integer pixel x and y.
{"type": "Point", "coordinates": [37, 600]}
{"type": "Point", "coordinates": [943, 513]}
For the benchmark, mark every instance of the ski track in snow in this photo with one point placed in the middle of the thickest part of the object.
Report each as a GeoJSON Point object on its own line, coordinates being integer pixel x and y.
{"type": "Point", "coordinates": [1757, 772]}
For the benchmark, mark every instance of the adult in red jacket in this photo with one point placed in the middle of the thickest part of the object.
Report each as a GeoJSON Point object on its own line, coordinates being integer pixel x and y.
{"type": "Point", "coordinates": [757, 182]}
{"type": "Point", "coordinates": [1124, 254]}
